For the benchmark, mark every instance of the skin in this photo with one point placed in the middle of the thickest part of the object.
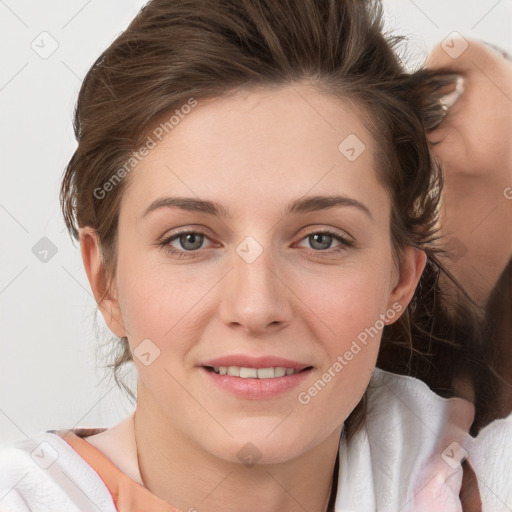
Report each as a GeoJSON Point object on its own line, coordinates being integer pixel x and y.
{"type": "Point", "coordinates": [253, 152]}
{"type": "Point", "coordinates": [473, 143]}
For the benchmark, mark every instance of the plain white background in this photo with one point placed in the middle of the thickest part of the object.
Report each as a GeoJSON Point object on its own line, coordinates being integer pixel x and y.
{"type": "Point", "coordinates": [49, 372]}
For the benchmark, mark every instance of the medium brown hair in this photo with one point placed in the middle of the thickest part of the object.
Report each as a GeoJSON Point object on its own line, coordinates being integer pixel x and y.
{"type": "Point", "coordinates": [175, 50]}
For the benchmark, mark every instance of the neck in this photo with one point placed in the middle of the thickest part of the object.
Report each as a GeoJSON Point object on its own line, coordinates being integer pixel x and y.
{"type": "Point", "coordinates": [180, 472]}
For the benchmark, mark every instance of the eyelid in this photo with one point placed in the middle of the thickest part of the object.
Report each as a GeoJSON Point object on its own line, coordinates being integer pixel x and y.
{"type": "Point", "coordinates": [166, 239]}
{"type": "Point", "coordinates": [201, 230]}
{"type": "Point", "coordinates": [345, 242]}
{"type": "Point", "coordinates": [311, 230]}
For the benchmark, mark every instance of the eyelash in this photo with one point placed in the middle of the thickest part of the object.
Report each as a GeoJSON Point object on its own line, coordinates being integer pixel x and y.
{"type": "Point", "coordinates": [165, 244]}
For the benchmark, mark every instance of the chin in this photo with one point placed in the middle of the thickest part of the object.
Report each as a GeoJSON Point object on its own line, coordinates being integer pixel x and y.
{"type": "Point", "coordinates": [261, 447]}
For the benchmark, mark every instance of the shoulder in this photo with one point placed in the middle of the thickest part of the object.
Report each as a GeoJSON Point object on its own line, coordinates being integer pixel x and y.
{"type": "Point", "coordinates": [411, 408]}
{"type": "Point", "coordinates": [491, 457]}
{"type": "Point", "coordinates": [45, 473]}
{"type": "Point", "coordinates": [400, 447]}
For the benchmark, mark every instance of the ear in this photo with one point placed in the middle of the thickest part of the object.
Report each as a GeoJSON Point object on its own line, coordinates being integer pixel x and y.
{"type": "Point", "coordinates": [411, 266]}
{"type": "Point", "coordinates": [98, 279]}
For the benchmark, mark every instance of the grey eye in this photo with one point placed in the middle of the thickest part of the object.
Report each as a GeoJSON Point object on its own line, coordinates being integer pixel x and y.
{"type": "Point", "coordinates": [191, 241]}
{"type": "Point", "coordinates": [320, 239]}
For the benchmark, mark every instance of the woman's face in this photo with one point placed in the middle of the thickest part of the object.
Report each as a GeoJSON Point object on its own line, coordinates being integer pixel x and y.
{"type": "Point", "coordinates": [274, 278]}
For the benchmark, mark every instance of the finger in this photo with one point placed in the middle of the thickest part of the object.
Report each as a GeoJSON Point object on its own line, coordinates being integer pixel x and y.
{"type": "Point", "coordinates": [471, 54]}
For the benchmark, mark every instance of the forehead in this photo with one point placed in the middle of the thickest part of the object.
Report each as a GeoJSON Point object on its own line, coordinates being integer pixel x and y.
{"type": "Point", "coordinates": [257, 146]}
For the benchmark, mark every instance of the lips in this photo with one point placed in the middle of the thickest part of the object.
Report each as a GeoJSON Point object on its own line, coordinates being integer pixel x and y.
{"type": "Point", "coordinates": [255, 378]}
{"type": "Point", "coordinates": [243, 383]}
{"type": "Point", "coordinates": [261, 362]}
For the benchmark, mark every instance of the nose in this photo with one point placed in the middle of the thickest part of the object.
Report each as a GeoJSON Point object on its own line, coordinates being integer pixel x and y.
{"type": "Point", "coordinates": [255, 296]}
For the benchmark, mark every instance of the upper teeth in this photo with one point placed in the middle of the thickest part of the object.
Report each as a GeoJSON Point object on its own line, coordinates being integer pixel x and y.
{"type": "Point", "coordinates": [254, 373]}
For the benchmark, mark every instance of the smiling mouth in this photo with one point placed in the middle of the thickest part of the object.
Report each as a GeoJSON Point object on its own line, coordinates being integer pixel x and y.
{"type": "Point", "coordinates": [255, 373]}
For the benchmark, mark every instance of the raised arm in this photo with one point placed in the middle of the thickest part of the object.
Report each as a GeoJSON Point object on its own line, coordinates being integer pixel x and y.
{"type": "Point", "coordinates": [474, 144]}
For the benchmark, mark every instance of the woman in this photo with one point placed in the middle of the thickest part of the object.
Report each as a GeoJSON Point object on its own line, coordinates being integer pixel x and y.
{"type": "Point", "coordinates": [473, 143]}
{"type": "Point", "coordinates": [256, 207]}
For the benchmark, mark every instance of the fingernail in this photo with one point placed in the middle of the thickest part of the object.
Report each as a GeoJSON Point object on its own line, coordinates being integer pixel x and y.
{"type": "Point", "coordinates": [448, 100]}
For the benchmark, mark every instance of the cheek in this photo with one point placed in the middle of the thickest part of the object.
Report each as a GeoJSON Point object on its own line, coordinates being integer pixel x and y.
{"type": "Point", "coordinates": [157, 299]}
{"type": "Point", "coordinates": [350, 316]}
{"type": "Point", "coordinates": [342, 380]}
{"type": "Point", "coordinates": [345, 304]}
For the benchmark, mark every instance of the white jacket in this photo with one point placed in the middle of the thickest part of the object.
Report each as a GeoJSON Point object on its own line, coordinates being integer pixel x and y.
{"type": "Point", "coordinates": [407, 457]}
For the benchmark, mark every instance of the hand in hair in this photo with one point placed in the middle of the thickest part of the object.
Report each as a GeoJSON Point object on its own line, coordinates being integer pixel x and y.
{"type": "Point", "coordinates": [474, 145]}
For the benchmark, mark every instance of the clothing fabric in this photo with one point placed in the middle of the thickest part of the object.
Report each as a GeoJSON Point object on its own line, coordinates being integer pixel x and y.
{"type": "Point", "coordinates": [491, 458]}
{"type": "Point", "coordinates": [397, 463]}
{"type": "Point", "coordinates": [407, 457]}
{"type": "Point", "coordinates": [44, 474]}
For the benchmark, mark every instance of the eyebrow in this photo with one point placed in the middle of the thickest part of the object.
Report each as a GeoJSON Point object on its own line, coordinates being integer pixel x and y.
{"type": "Point", "coordinates": [301, 205]}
